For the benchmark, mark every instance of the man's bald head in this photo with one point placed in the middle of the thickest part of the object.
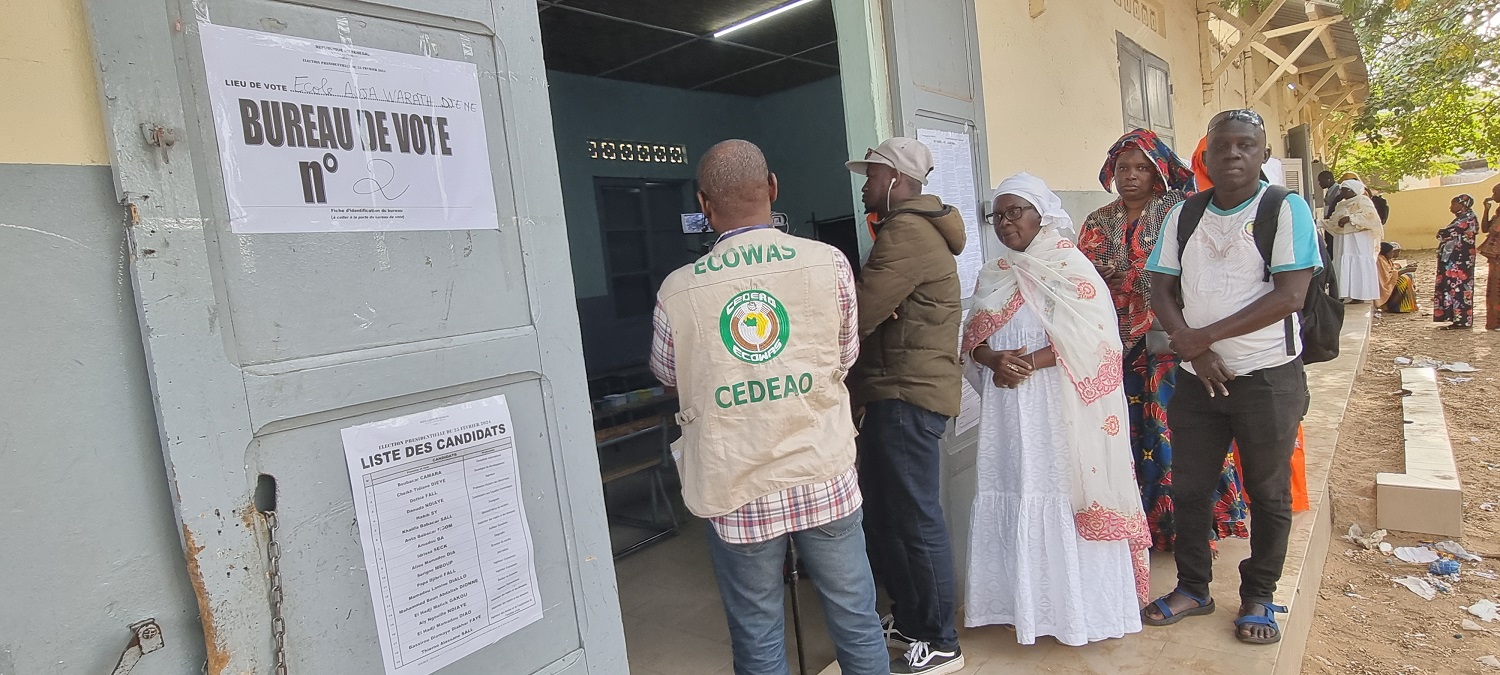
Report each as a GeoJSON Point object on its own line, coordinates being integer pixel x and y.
{"type": "Point", "coordinates": [735, 185]}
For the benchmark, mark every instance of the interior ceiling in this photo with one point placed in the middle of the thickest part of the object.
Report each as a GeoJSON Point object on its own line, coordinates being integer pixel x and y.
{"type": "Point", "coordinates": [671, 43]}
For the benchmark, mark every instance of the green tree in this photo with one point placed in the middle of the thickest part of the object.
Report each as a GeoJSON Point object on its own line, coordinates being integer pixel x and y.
{"type": "Point", "coordinates": [1434, 87]}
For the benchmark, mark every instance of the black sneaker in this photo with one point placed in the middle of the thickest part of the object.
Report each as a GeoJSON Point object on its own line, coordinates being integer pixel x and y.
{"type": "Point", "coordinates": [893, 638]}
{"type": "Point", "coordinates": [924, 659]}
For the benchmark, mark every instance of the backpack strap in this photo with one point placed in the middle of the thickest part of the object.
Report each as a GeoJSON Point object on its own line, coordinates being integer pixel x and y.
{"type": "Point", "coordinates": [1267, 221]}
{"type": "Point", "coordinates": [1187, 221]}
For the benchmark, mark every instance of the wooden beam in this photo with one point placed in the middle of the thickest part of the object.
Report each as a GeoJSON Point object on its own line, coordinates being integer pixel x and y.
{"type": "Point", "coordinates": [1304, 26]}
{"type": "Point", "coordinates": [1317, 87]}
{"type": "Point", "coordinates": [1286, 65]}
{"type": "Point", "coordinates": [1330, 46]}
{"type": "Point", "coordinates": [1336, 63]}
{"type": "Point", "coordinates": [1276, 57]}
{"type": "Point", "coordinates": [1247, 36]}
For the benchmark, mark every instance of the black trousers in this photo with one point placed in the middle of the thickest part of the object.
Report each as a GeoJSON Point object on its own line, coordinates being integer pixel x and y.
{"type": "Point", "coordinates": [1261, 415]}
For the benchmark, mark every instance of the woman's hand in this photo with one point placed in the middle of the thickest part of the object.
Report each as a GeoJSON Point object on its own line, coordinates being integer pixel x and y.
{"type": "Point", "coordinates": [1009, 369]}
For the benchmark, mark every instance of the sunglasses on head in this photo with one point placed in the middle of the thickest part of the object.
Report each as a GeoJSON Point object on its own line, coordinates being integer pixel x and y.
{"type": "Point", "coordinates": [1242, 115]}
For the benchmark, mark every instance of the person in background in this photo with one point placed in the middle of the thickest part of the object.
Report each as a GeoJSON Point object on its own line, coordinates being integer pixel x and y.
{"type": "Point", "coordinates": [1382, 206]}
{"type": "Point", "coordinates": [758, 354]}
{"type": "Point", "coordinates": [1453, 294]}
{"type": "Point", "coordinates": [1357, 232]}
{"type": "Point", "coordinates": [908, 382]}
{"type": "Point", "coordinates": [1490, 249]}
{"type": "Point", "coordinates": [1118, 238]}
{"type": "Point", "coordinates": [1226, 323]}
{"type": "Point", "coordinates": [1332, 192]}
{"type": "Point", "coordinates": [1058, 538]}
{"type": "Point", "coordinates": [1398, 285]}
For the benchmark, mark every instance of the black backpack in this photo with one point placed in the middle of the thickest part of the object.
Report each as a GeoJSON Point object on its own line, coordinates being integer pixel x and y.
{"type": "Point", "coordinates": [1322, 314]}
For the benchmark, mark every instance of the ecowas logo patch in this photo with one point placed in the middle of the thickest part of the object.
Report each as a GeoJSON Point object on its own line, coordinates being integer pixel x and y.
{"type": "Point", "coordinates": [754, 326]}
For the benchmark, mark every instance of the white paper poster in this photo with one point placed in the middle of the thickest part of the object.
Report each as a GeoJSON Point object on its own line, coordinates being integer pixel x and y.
{"type": "Point", "coordinates": [324, 137]}
{"type": "Point", "coordinates": [443, 527]}
{"type": "Point", "coordinates": [969, 401]}
{"type": "Point", "coordinates": [952, 179]}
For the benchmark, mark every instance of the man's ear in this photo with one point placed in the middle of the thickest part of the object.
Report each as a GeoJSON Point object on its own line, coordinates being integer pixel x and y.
{"type": "Point", "coordinates": [703, 204]}
{"type": "Point", "coordinates": [773, 185]}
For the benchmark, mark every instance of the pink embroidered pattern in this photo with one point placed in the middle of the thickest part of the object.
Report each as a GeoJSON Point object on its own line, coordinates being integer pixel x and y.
{"type": "Point", "coordinates": [1111, 377]}
{"type": "Point", "coordinates": [1002, 264]}
{"type": "Point", "coordinates": [1086, 290]}
{"type": "Point", "coordinates": [984, 324]}
{"type": "Point", "coordinates": [1097, 523]}
{"type": "Point", "coordinates": [1112, 425]}
{"type": "Point", "coordinates": [1064, 243]}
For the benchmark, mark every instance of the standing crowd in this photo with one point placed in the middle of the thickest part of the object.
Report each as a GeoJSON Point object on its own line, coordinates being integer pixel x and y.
{"type": "Point", "coordinates": [1117, 364]}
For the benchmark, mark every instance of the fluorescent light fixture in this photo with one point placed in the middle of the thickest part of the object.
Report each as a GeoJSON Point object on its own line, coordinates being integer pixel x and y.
{"type": "Point", "coordinates": [761, 17]}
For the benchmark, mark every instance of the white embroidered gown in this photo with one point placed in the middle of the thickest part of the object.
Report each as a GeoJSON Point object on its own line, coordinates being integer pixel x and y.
{"type": "Point", "coordinates": [1027, 565]}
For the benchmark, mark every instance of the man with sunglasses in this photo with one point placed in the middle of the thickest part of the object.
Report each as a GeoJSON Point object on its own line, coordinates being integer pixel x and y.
{"type": "Point", "coordinates": [907, 381]}
{"type": "Point", "coordinates": [1232, 314]}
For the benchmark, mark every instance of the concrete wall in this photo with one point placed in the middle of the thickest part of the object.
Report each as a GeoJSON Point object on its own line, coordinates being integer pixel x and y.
{"type": "Point", "coordinates": [1052, 85]}
{"type": "Point", "coordinates": [91, 543]}
{"type": "Point", "coordinates": [1417, 215]}
{"type": "Point", "coordinates": [801, 131]}
{"type": "Point", "coordinates": [52, 115]}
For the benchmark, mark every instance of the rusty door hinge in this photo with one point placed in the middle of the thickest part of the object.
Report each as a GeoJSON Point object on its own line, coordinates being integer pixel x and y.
{"type": "Point", "coordinates": [160, 137]}
{"type": "Point", "coordinates": [147, 639]}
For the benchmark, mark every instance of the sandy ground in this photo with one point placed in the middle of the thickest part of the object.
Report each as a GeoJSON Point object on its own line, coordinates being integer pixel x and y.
{"type": "Point", "coordinates": [1365, 623]}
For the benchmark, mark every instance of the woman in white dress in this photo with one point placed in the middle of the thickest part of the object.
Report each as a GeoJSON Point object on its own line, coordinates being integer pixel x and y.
{"type": "Point", "coordinates": [1058, 537]}
{"type": "Point", "coordinates": [1357, 232]}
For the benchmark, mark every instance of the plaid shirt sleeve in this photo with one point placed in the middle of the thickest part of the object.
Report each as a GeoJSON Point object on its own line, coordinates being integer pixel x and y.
{"type": "Point", "coordinates": [663, 352]}
{"type": "Point", "coordinates": [849, 308]}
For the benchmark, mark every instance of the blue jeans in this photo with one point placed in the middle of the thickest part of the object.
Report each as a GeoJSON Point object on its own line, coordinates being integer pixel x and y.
{"type": "Point", "coordinates": [899, 474]}
{"type": "Point", "coordinates": [751, 584]}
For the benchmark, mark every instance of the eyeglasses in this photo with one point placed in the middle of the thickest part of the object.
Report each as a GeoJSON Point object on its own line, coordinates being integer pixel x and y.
{"type": "Point", "coordinates": [1009, 215]}
{"type": "Point", "coordinates": [1245, 115]}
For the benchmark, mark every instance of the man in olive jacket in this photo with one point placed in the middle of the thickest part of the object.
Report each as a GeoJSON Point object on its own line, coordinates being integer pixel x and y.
{"type": "Point", "coordinates": [907, 379]}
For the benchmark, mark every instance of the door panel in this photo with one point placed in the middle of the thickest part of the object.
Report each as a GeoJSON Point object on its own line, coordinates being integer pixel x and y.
{"type": "Point", "coordinates": [932, 47]}
{"type": "Point", "coordinates": [261, 347]}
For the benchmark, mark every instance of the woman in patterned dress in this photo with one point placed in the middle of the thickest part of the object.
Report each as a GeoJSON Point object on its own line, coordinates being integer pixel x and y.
{"type": "Point", "coordinates": [1150, 180]}
{"type": "Point", "coordinates": [1453, 294]}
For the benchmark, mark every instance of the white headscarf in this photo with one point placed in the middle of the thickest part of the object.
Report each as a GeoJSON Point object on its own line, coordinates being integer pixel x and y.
{"type": "Point", "coordinates": [1047, 203]}
{"type": "Point", "coordinates": [1062, 288]}
{"type": "Point", "coordinates": [1359, 209]}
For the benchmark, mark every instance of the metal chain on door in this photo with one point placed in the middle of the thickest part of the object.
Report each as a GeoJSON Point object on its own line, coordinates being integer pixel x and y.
{"type": "Point", "coordinates": [278, 621]}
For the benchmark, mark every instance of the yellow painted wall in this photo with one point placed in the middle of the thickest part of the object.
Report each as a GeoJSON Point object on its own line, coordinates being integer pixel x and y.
{"type": "Point", "coordinates": [52, 115]}
{"type": "Point", "coordinates": [1052, 85]}
{"type": "Point", "coordinates": [1417, 215]}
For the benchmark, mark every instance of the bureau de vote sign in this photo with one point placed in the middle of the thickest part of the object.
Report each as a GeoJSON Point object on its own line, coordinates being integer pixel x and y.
{"type": "Point", "coordinates": [325, 137]}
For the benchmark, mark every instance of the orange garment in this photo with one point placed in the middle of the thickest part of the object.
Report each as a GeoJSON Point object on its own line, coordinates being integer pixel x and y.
{"type": "Point", "coordinates": [1200, 170]}
{"type": "Point", "coordinates": [1299, 474]}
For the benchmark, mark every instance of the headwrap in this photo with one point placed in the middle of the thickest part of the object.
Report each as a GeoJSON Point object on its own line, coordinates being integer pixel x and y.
{"type": "Point", "coordinates": [1054, 279]}
{"type": "Point", "coordinates": [1170, 169]}
{"type": "Point", "coordinates": [1355, 185]}
{"type": "Point", "coordinates": [1047, 203]}
{"type": "Point", "coordinates": [1466, 200]}
{"type": "Point", "coordinates": [1201, 180]}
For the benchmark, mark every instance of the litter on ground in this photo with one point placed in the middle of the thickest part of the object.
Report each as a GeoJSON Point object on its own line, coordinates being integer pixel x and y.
{"type": "Point", "coordinates": [1370, 542]}
{"type": "Point", "coordinates": [1422, 588]}
{"type": "Point", "coordinates": [1416, 555]}
{"type": "Point", "coordinates": [1486, 610]}
{"type": "Point", "coordinates": [1456, 550]}
{"type": "Point", "coordinates": [1458, 367]}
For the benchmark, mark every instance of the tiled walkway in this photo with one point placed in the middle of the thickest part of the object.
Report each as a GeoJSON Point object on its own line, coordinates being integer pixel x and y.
{"type": "Point", "coordinates": [674, 623]}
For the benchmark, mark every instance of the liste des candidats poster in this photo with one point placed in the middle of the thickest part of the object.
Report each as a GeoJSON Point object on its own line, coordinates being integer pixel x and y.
{"type": "Point", "coordinates": [443, 526]}
{"type": "Point", "coordinates": [325, 137]}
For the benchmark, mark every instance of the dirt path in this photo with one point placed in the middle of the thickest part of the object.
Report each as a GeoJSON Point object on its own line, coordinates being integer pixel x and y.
{"type": "Point", "coordinates": [1366, 623]}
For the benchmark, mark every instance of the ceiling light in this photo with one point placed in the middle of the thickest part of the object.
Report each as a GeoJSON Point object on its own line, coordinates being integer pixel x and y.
{"type": "Point", "coordinates": [761, 17]}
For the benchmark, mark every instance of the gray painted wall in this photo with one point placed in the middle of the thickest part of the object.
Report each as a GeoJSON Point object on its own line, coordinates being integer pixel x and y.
{"type": "Point", "coordinates": [90, 544]}
{"type": "Point", "coordinates": [801, 131]}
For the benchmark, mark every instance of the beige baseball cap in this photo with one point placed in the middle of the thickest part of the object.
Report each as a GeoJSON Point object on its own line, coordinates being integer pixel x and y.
{"type": "Point", "coordinates": [906, 155]}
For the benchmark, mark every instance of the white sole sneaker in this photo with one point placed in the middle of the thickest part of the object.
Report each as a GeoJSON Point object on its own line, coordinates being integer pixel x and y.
{"type": "Point", "coordinates": [947, 668]}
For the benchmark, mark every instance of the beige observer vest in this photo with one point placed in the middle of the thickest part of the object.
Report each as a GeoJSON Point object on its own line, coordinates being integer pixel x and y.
{"type": "Point", "coordinates": [755, 330]}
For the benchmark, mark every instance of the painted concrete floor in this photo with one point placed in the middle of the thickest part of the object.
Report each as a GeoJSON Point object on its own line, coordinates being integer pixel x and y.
{"type": "Point", "coordinates": [674, 622]}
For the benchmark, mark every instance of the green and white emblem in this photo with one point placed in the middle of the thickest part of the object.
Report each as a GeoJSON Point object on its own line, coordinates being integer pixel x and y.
{"type": "Point", "coordinates": [754, 326]}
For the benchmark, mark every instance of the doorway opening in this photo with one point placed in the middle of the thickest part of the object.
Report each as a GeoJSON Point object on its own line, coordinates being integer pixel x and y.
{"type": "Point", "coordinates": [639, 90]}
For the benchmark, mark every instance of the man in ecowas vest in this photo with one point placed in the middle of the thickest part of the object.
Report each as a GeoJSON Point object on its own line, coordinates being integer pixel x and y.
{"type": "Point", "coordinates": [757, 347]}
{"type": "Point", "coordinates": [908, 382]}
